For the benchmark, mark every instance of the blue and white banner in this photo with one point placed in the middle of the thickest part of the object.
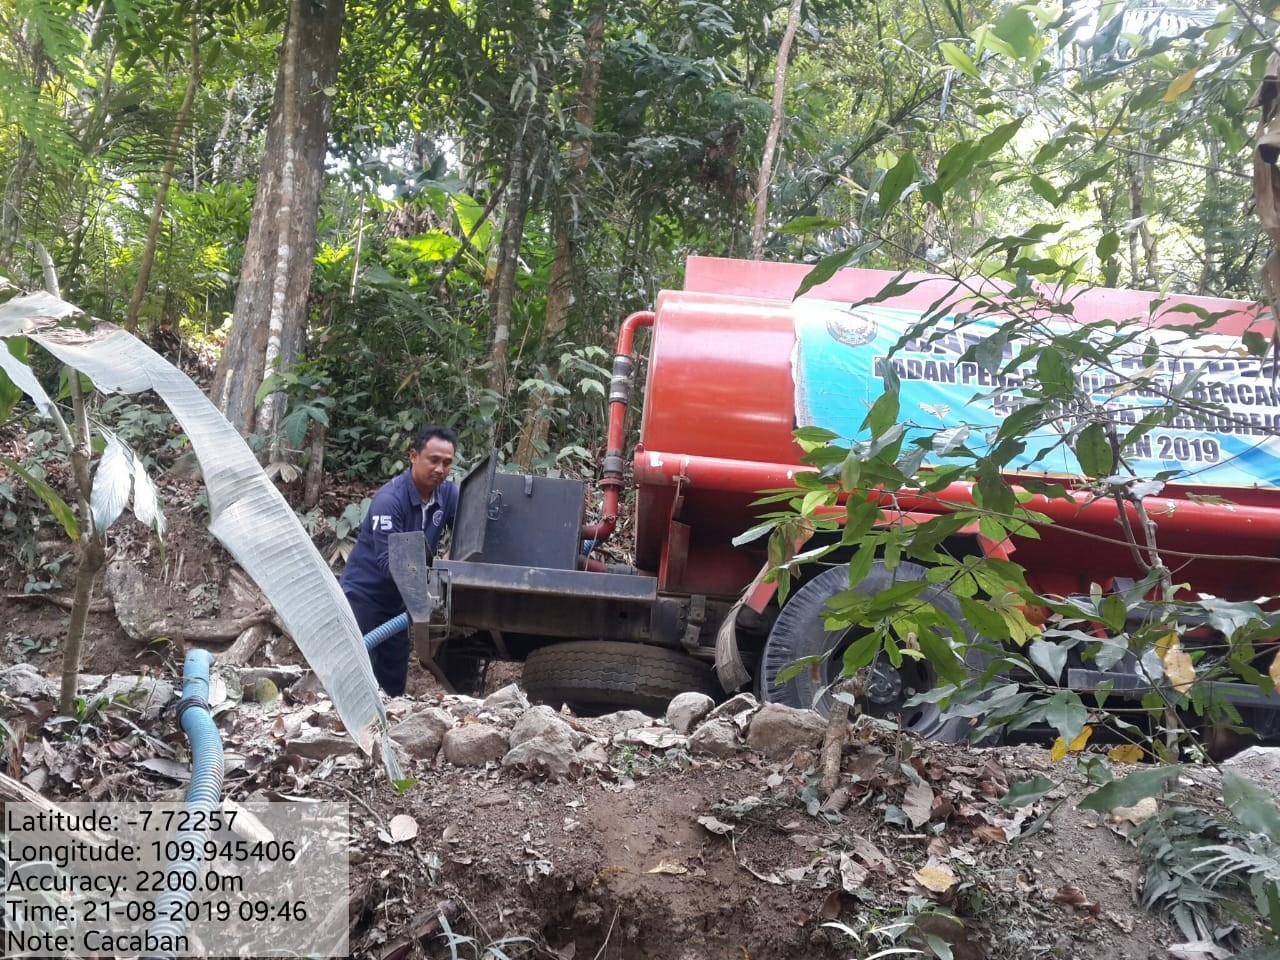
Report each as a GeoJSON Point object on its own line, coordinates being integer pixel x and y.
{"type": "Point", "coordinates": [841, 352]}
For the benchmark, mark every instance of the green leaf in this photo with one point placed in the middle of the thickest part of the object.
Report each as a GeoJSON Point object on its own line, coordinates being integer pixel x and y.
{"type": "Point", "coordinates": [985, 621]}
{"type": "Point", "coordinates": [1044, 189]}
{"type": "Point", "coordinates": [825, 269]}
{"type": "Point", "coordinates": [861, 563]}
{"type": "Point", "coordinates": [1107, 246]}
{"type": "Point", "coordinates": [1049, 657]}
{"type": "Point", "coordinates": [1027, 791]}
{"type": "Point", "coordinates": [57, 506]}
{"type": "Point", "coordinates": [1253, 806]}
{"type": "Point", "coordinates": [1066, 714]}
{"type": "Point", "coordinates": [1094, 452]}
{"type": "Point", "coordinates": [815, 435]}
{"type": "Point", "coordinates": [800, 226]}
{"type": "Point", "coordinates": [1137, 786]}
{"type": "Point", "coordinates": [795, 668]}
{"type": "Point", "coordinates": [900, 176]}
{"type": "Point", "coordinates": [958, 59]}
{"type": "Point", "coordinates": [941, 656]}
{"type": "Point", "coordinates": [1053, 371]}
{"type": "Point", "coordinates": [272, 383]}
{"type": "Point", "coordinates": [1255, 343]}
{"type": "Point", "coordinates": [1019, 31]}
{"type": "Point", "coordinates": [883, 414]}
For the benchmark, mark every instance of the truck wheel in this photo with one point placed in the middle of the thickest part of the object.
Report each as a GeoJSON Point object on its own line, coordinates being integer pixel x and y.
{"type": "Point", "coordinates": [799, 632]}
{"type": "Point", "coordinates": [597, 676]}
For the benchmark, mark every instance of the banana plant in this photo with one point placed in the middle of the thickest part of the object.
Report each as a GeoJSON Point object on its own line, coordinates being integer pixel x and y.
{"type": "Point", "coordinates": [248, 515]}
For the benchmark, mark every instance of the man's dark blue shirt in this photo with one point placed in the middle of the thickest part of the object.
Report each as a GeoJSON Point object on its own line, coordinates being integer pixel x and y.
{"type": "Point", "coordinates": [397, 507]}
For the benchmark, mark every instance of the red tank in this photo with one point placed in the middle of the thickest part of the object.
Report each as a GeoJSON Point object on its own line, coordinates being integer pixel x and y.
{"type": "Point", "coordinates": [720, 406]}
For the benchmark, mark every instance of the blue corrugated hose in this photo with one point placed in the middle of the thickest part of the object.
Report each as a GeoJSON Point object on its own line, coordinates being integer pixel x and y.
{"type": "Point", "coordinates": [204, 793]}
{"type": "Point", "coordinates": [388, 629]}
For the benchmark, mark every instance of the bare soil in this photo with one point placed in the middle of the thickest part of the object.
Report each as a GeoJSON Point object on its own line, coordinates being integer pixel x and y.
{"type": "Point", "coordinates": [616, 865]}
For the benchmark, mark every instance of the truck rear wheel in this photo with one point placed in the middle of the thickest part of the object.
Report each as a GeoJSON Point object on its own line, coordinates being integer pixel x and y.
{"type": "Point", "coordinates": [598, 676]}
{"type": "Point", "coordinates": [799, 632]}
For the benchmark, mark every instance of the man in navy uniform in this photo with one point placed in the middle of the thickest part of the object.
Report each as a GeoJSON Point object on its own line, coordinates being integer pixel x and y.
{"type": "Point", "coordinates": [422, 498]}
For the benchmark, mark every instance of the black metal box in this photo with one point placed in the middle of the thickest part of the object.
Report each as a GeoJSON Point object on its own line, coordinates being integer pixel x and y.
{"type": "Point", "coordinates": [510, 518]}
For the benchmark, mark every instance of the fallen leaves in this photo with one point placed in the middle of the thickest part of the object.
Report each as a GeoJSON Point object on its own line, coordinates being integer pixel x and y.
{"type": "Point", "coordinates": [936, 878]}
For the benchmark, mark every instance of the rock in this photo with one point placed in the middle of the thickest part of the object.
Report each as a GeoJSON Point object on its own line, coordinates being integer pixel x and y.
{"type": "Point", "coordinates": [551, 756]}
{"type": "Point", "coordinates": [734, 706]}
{"type": "Point", "coordinates": [461, 705]}
{"type": "Point", "coordinates": [24, 680]}
{"type": "Point", "coordinates": [509, 697]}
{"type": "Point", "coordinates": [542, 722]}
{"type": "Point", "coordinates": [594, 754]}
{"type": "Point", "coordinates": [474, 744]}
{"type": "Point", "coordinates": [421, 734]}
{"type": "Point", "coordinates": [778, 731]}
{"type": "Point", "coordinates": [612, 723]}
{"type": "Point", "coordinates": [716, 737]}
{"type": "Point", "coordinates": [318, 746]}
{"type": "Point", "coordinates": [687, 710]}
{"type": "Point", "coordinates": [146, 694]}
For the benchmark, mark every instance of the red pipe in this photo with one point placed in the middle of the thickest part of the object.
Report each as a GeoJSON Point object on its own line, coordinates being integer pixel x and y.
{"type": "Point", "coordinates": [611, 475]}
{"type": "Point", "coordinates": [658, 468]}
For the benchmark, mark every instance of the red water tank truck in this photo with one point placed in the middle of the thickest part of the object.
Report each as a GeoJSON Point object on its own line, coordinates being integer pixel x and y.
{"type": "Point", "coordinates": [734, 365]}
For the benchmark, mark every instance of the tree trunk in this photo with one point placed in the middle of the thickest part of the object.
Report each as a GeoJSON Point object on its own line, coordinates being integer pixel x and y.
{"type": "Point", "coordinates": [533, 433]}
{"type": "Point", "coordinates": [269, 320]}
{"type": "Point", "coordinates": [504, 281]}
{"type": "Point", "coordinates": [775, 128]}
{"type": "Point", "coordinates": [166, 178]}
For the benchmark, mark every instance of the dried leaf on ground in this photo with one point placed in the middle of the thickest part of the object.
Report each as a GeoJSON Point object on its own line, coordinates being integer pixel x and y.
{"type": "Point", "coordinates": [990, 833]}
{"type": "Point", "coordinates": [853, 876]}
{"type": "Point", "coordinates": [917, 804]}
{"type": "Point", "coordinates": [936, 878]}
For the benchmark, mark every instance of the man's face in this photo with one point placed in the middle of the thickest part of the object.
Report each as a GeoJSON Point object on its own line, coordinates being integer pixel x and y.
{"type": "Point", "coordinates": [430, 465]}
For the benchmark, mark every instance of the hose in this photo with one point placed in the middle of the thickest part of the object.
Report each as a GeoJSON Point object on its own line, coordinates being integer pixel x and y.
{"type": "Point", "coordinates": [386, 630]}
{"type": "Point", "coordinates": [204, 795]}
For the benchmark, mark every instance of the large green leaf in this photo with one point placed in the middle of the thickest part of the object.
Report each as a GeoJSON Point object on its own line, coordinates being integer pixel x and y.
{"type": "Point", "coordinates": [1125, 793]}
{"type": "Point", "coordinates": [1252, 806]}
{"type": "Point", "coordinates": [251, 519]}
{"type": "Point", "coordinates": [61, 511]}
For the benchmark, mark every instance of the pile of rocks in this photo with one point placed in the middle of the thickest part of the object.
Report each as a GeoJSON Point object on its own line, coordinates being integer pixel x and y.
{"type": "Point", "coordinates": [505, 729]}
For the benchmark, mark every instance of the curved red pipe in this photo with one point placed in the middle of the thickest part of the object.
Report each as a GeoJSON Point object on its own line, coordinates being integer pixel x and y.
{"type": "Point", "coordinates": [611, 479]}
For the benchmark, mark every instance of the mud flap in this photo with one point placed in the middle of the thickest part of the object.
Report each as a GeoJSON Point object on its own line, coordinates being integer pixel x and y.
{"type": "Point", "coordinates": [730, 670]}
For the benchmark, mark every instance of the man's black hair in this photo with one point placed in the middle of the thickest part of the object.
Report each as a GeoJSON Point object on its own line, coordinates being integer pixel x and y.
{"type": "Point", "coordinates": [426, 433]}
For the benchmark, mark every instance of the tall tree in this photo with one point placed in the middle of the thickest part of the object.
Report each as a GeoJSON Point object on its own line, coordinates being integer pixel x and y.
{"type": "Point", "coordinates": [775, 129]}
{"type": "Point", "coordinates": [269, 323]}
{"type": "Point", "coordinates": [567, 220]}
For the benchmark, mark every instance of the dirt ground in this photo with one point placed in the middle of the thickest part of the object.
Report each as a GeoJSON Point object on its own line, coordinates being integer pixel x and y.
{"type": "Point", "coordinates": [615, 864]}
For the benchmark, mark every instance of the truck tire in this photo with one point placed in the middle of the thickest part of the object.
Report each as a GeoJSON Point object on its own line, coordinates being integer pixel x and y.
{"type": "Point", "coordinates": [799, 632]}
{"type": "Point", "coordinates": [598, 676]}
